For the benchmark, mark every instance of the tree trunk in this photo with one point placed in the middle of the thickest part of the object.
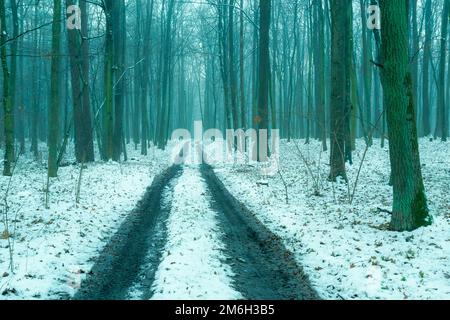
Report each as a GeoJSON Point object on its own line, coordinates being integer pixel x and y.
{"type": "Point", "coordinates": [366, 116]}
{"type": "Point", "coordinates": [415, 51]}
{"type": "Point", "coordinates": [231, 65]}
{"type": "Point", "coordinates": [108, 109]}
{"type": "Point", "coordinates": [442, 119]}
{"type": "Point", "coordinates": [88, 141]}
{"type": "Point", "coordinates": [410, 209]}
{"type": "Point", "coordinates": [35, 99]}
{"type": "Point", "coordinates": [320, 72]}
{"type": "Point", "coordinates": [264, 72]}
{"type": "Point", "coordinates": [340, 73]}
{"type": "Point", "coordinates": [426, 105]}
{"type": "Point", "coordinates": [241, 66]}
{"type": "Point", "coordinates": [53, 125]}
{"type": "Point", "coordinates": [75, 72]}
{"type": "Point", "coordinates": [7, 104]}
{"type": "Point", "coordinates": [119, 35]}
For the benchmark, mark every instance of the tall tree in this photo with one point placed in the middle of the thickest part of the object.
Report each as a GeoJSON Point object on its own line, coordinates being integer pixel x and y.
{"type": "Point", "coordinates": [242, 65]}
{"type": "Point", "coordinates": [410, 209]}
{"type": "Point", "coordinates": [75, 72]}
{"type": "Point", "coordinates": [119, 35]}
{"type": "Point", "coordinates": [340, 86]}
{"type": "Point", "coordinates": [108, 109]}
{"type": "Point", "coordinates": [442, 116]}
{"type": "Point", "coordinates": [319, 62]}
{"type": "Point", "coordinates": [88, 142]}
{"type": "Point", "coordinates": [35, 103]}
{"type": "Point", "coordinates": [415, 50]}
{"type": "Point", "coordinates": [262, 119]}
{"type": "Point", "coordinates": [231, 65]}
{"type": "Point", "coordinates": [366, 74]}
{"type": "Point", "coordinates": [53, 127]}
{"type": "Point", "coordinates": [7, 103]}
{"type": "Point", "coordinates": [426, 96]}
{"type": "Point", "coordinates": [166, 55]}
{"type": "Point", "coordinates": [14, 56]}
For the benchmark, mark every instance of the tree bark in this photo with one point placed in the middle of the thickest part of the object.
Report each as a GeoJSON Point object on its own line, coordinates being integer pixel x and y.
{"type": "Point", "coordinates": [426, 105]}
{"type": "Point", "coordinates": [7, 103]}
{"type": "Point", "coordinates": [108, 109]}
{"type": "Point", "coordinates": [340, 77]}
{"type": "Point", "coordinates": [88, 141]}
{"type": "Point", "coordinates": [410, 209]}
{"type": "Point", "coordinates": [53, 126]}
{"type": "Point", "coordinates": [264, 72]}
{"type": "Point", "coordinates": [442, 119]}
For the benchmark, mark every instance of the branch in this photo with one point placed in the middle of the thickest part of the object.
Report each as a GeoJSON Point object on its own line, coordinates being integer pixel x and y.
{"type": "Point", "coordinates": [26, 32]}
{"type": "Point", "coordinates": [379, 65]}
{"type": "Point", "coordinates": [384, 211]}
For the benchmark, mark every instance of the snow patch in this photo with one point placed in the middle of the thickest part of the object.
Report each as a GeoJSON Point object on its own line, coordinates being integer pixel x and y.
{"type": "Point", "coordinates": [192, 267]}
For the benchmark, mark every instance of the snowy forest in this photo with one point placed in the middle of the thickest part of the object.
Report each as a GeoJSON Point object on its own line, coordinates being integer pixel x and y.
{"type": "Point", "coordinates": [224, 149]}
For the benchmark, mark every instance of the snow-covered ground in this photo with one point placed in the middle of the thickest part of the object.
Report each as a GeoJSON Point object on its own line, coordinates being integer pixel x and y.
{"type": "Point", "coordinates": [53, 248]}
{"type": "Point", "coordinates": [345, 248]}
{"type": "Point", "coordinates": [192, 266]}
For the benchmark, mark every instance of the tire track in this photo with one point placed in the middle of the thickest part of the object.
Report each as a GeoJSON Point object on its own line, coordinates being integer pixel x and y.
{"type": "Point", "coordinates": [119, 265]}
{"type": "Point", "coordinates": [264, 268]}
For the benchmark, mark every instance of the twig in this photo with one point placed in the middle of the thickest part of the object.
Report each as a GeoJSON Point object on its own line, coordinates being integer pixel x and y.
{"type": "Point", "coordinates": [77, 195]}
{"type": "Point", "coordinates": [379, 65]}
{"type": "Point", "coordinates": [6, 218]}
{"type": "Point", "coordinates": [384, 211]}
{"type": "Point", "coordinates": [364, 158]}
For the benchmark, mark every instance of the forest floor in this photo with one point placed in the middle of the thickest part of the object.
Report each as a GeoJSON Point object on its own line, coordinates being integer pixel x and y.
{"type": "Point", "coordinates": [147, 230]}
{"type": "Point", "coordinates": [190, 239]}
{"type": "Point", "coordinates": [344, 246]}
{"type": "Point", "coordinates": [53, 248]}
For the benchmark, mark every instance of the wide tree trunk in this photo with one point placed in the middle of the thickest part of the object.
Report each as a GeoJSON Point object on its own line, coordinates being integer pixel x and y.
{"type": "Point", "coordinates": [340, 87]}
{"type": "Point", "coordinates": [410, 209]}
{"type": "Point", "coordinates": [75, 72]}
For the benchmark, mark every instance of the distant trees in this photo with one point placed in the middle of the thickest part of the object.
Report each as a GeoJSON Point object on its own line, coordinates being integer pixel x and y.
{"type": "Point", "coordinates": [138, 69]}
{"type": "Point", "coordinates": [410, 209]}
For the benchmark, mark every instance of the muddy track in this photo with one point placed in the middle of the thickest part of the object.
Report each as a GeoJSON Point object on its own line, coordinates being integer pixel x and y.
{"type": "Point", "coordinates": [264, 269]}
{"type": "Point", "coordinates": [119, 265]}
{"type": "Point", "coordinates": [125, 269]}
